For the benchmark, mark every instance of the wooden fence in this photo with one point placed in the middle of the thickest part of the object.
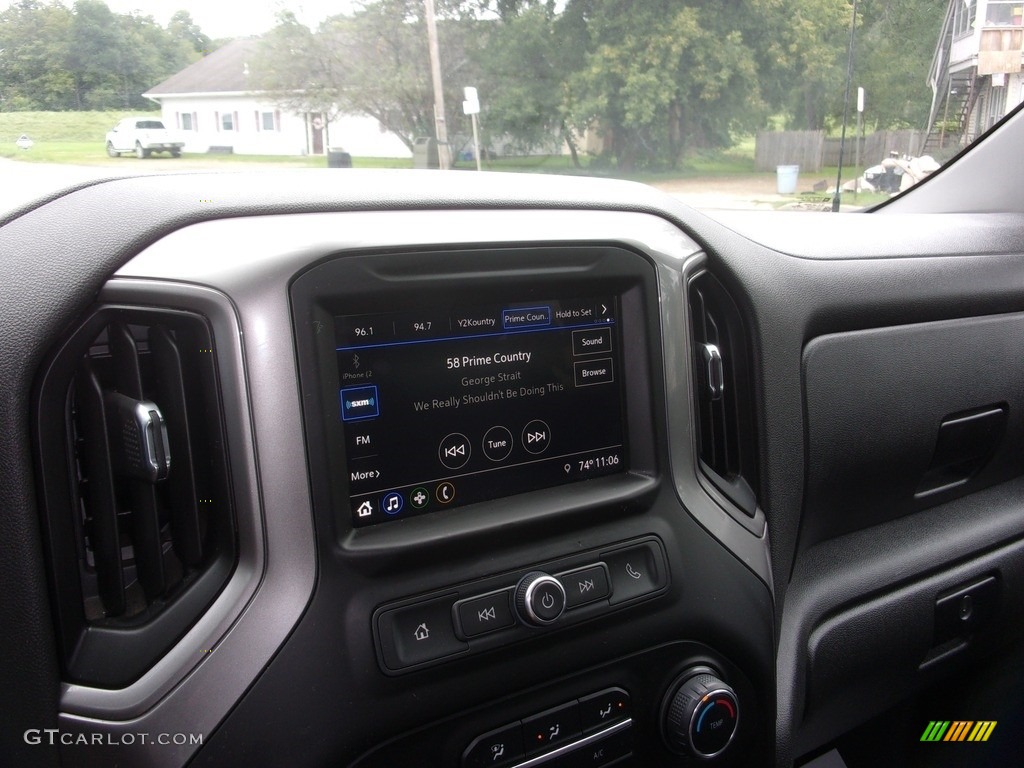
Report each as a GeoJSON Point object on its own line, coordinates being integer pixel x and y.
{"type": "Point", "coordinates": [803, 148]}
{"type": "Point", "coordinates": [812, 151]}
{"type": "Point", "coordinates": [874, 148]}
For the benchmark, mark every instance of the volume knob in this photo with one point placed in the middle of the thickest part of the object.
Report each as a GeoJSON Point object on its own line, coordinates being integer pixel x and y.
{"type": "Point", "coordinates": [540, 599]}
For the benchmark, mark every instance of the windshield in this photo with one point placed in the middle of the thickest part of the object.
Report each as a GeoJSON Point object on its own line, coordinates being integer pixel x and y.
{"type": "Point", "coordinates": [790, 105]}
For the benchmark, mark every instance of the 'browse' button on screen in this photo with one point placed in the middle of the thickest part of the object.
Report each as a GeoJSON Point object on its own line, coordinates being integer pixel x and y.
{"type": "Point", "coordinates": [591, 372]}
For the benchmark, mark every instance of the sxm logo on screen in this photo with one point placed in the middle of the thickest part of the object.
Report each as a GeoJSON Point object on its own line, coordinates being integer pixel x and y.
{"type": "Point", "coordinates": [958, 730]}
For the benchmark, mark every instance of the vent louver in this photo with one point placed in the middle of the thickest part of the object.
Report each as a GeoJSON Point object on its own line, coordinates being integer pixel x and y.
{"type": "Point", "coordinates": [135, 488]}
{"type": "Point", "coordinates": [726, 437]}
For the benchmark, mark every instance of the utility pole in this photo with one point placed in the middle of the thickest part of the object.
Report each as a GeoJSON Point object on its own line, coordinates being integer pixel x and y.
{"type": "Point", "coordinates": [846, 111]}
{"type": "Point", "coordinates": [444, 154]}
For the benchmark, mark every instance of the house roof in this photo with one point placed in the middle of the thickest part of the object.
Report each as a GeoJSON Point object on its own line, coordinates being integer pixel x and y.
{"type": "Point", "coordinates": [223, 71]}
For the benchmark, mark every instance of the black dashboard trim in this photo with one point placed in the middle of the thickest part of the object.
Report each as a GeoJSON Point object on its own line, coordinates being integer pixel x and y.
{"type": "Point", "coordinates": [844, 276]}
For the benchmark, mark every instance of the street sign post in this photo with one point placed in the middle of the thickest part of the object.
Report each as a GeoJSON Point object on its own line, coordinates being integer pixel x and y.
{"type": "Point", "coordinates": [471, 107]}
{"type": "Point", "coordinates": [860, 138]}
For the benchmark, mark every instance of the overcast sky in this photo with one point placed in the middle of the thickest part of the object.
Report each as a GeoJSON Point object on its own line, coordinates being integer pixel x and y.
{"type": "Point", "coordinates": [234, 19]}
{"type": "Point", "coordinates": [219, 18]}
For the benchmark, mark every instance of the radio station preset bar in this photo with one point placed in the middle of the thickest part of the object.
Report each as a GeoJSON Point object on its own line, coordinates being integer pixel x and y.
{"type": "Point", "coordinates": [364, 331]}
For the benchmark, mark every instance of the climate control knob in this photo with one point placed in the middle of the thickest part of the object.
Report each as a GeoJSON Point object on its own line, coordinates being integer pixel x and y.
{"type": "Point", "coordinates": [540, 599]}
{"type": "Point", "coordinates": [701, 714]}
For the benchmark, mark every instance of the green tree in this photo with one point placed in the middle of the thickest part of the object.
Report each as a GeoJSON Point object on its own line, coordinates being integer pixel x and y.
{"type": "Point", "coordinates": [181, 27]}
{"type": "Point", "coordinates": [662, 77]}
{"type": "Point", "coordinates": [35, 39]}
{"type": "Point", "coordinates": [802, 57]}
{"type": "Point", "coordinates": [85, 57]}
{"type": "Point", "coordinates": [803, 65]}
{"type": "Point", "coordinates": [374, 62]}
{"type": "Point", "coordinates": [94, 56]}
{"type": "Point", "coordinates": [524, 60]}
{"type": "Point", "coordinates": [146, 54]}
{"type": "Point", "coordinates": [894, 52]}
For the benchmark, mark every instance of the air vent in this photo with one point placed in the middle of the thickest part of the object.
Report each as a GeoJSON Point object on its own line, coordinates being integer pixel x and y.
{"type": "Point", "coordinates": [723, 393]}
{"type": "Point", "coordinates": [135, 488]}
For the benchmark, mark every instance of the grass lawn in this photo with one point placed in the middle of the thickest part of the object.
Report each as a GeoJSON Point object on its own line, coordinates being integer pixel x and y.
{"type": "Point", "coordinates": [561, 164]}
{"type": "Point", "coordinates": [94, 153]}
{"type": "Point", "coordinates": [85, 127]}
{"type": "Point", "coordinates": [68, 152]}
{"type": "Point", "coordinates": [77, 138]}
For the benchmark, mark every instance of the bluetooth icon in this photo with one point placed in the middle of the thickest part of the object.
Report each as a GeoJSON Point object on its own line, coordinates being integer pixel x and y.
{"type": "Point", "coordinates": [355, 362]}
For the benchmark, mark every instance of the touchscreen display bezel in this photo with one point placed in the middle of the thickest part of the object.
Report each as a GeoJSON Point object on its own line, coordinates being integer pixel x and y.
{"type": "Point", "coordinates": [362, 283]}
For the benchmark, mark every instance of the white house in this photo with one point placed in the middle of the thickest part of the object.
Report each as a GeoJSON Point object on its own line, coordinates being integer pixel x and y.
{"type": "Point", "coordinates": [213, 104]}
{"type": "Point", "coordinates": [976, 70]}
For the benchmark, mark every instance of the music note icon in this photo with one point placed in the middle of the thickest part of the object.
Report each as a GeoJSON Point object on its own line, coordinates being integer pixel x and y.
{"type": "Point", "coordinates": [393, 503]}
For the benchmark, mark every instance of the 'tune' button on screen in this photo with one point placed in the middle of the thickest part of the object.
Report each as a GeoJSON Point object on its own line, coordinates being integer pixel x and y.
{"type": "Point", "coordinates": [360, 403]}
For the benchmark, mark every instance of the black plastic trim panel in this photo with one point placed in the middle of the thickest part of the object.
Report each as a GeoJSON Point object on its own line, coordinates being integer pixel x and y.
{"type": "Point", "coordinates": [649, 550]}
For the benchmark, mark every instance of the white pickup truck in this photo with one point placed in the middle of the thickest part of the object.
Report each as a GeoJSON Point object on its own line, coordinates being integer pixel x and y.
{"type": "Point", "coordinates": [143, 136]}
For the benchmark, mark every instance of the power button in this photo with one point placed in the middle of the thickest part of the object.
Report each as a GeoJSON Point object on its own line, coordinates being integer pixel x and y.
{"type": "Point", "coordinates": [540, 599]}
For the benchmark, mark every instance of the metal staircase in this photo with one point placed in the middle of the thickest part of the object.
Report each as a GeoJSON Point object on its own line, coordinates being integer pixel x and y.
{"type": "Point", "coordinates": [950, 126]}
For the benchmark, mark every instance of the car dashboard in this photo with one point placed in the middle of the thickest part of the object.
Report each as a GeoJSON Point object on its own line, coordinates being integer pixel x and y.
{"type": "Point", "coordinates": [390, 468]}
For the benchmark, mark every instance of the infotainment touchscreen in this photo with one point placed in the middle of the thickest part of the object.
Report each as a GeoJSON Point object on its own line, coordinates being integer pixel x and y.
{"type": "Point", "coordinates": [446, 408]}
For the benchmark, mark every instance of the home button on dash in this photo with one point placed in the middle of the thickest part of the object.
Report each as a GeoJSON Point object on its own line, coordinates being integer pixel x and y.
{"type": "Point", "coordinates": [418, 633]}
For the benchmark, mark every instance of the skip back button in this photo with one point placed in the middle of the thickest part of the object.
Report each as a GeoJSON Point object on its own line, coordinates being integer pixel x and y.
{"type": "Point", "coordinates": [480, 615]}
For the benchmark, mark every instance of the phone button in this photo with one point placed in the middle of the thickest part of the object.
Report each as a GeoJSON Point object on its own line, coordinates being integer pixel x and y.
{"type": "Point", "coordinates": [445, 493]}
{"type": "Point", "coordinates": [635, 571]}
